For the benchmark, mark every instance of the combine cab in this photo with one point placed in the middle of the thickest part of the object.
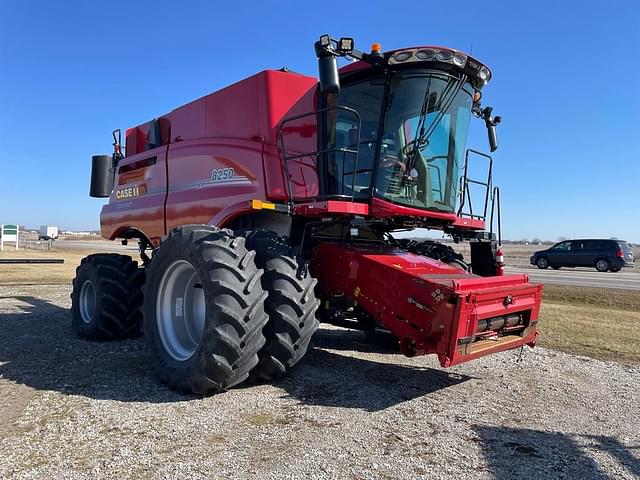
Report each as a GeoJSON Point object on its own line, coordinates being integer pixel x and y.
{"type": "Point", "coordinates": [273, 203]}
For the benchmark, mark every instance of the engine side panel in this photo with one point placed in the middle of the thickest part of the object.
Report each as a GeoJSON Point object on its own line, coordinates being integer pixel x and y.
{"type": "Point", "coordinates": [212, 181]}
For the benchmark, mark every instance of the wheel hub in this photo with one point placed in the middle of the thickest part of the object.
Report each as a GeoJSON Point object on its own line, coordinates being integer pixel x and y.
{"type": "Point", "coordinates": [180, 310]}
{"type": "Point", "coordinates": [87, 301]}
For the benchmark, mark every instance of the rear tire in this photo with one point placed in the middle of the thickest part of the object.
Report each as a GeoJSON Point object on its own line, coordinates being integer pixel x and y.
{"type": "Point", "coordinates": [459, 263]}
{"type": "Point", "coordinates": [291, 304]}
{"type": "Point", "coordinates": [615, 269]}
{"type": "Point", "coordinates": [106, 299]}
{"type": "Point", "coordinates": [542, 263]}
{"type": "Point", "coordinates": [556, 267]}
{"type": "Point", "coordinates": [602, 265]}
{"type": "Point", "coordinates": [435, 250]}
{"type": "Point", "coordinates": [203, 310]}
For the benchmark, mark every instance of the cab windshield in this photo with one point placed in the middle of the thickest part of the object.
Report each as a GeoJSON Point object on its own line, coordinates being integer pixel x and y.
{"type": "Point", "coordinates": [421, 150]}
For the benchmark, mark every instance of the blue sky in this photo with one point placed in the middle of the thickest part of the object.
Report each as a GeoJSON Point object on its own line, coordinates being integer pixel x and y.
{"type": "Point", "coordinates": [565, 81]}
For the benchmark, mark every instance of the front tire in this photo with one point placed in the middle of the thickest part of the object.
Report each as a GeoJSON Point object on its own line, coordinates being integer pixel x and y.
{"type": "Point", "coordinates": [106, 299]}
{"type": "Point", "coordinates": [203, 310]}
{"type": "Point", "coordinates": [291, 304]}
{"type": "Point", "coordinates": [542, 263]}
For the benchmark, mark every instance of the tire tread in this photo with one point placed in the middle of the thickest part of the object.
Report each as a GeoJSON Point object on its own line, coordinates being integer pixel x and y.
{"type": "Point", "coordinates": [235, 310]}
{"type": "Point", "coordinates": [291, 304]}
{"type": "Point", "coordinates": [118, 282]}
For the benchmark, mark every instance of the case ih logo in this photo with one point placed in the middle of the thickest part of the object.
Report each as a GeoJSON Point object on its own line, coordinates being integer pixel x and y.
{"type": "Point", "coordinates": [130, 192]}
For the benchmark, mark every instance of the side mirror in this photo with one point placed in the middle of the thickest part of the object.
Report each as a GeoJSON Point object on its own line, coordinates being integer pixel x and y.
{"type": "Point", "coordinates": [491, 123]}
{"type": "Point", "coordinates": [101, 176]}
{"type": "Point", "coordinates": [493, 138]}
{"type": "Point", "coordinates": [329, 77]}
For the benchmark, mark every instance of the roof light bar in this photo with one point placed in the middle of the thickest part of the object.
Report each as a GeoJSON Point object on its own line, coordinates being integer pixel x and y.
{"type": "Point", "coordinates": [443, 55]}
{"type": "Point", "coordinates": [428, 54]}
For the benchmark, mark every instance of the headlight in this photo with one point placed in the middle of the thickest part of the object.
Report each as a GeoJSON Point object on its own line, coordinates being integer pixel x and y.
{"type": "Point", "coordinates": [444, 55]}
{"type": "Point", "coordinates": [403, 56]}
{"type": "Point", "coordinates": [426, 54]}
{"type": "Point", "coordinates": [484, 74]}
{"type": "Point", "coordinates": [459, 59]}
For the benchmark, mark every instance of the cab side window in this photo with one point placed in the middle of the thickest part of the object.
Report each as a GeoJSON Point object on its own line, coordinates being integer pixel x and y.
{"type": "Point", "coordinates": [344, 137]}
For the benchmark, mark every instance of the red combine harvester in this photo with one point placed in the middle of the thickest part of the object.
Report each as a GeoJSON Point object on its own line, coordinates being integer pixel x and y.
{"type": "Point", "coordinates": [272, 203]}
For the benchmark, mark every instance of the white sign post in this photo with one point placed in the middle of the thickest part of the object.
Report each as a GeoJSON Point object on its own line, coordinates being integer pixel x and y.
{"type": "Point", "coordinates": [8, 233]}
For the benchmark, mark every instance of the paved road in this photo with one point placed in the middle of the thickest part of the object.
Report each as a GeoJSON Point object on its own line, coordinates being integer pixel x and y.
{"type": "Point", "coordinates": [581, 277]}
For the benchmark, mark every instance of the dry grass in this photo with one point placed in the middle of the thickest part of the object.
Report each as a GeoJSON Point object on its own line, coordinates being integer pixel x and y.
{"type": "Point", "coordinates": [609, 299]}
{"type": "Point", "coordinates": [83, 238]}
{"type": "Point", "coordinates": [41, 274]}
{"type": "Point", "coordinates": [595, 322]}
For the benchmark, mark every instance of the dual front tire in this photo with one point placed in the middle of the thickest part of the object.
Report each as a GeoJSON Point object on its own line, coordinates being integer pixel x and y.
{"type": "Point", "coordinates": [291, 304]}
{"type": "Point", "coordinates": [218, 308]}
{"type": "Point", "coordinates": [204, 310]}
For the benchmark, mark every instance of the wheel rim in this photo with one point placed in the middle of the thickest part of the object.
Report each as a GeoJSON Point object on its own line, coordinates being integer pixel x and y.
{"type": "Point", "coordinates": [542, 262]}
{"type": "Point", "coordinates": [180, 310]}
{"type": "Point", "coordinates": [87, 301]}
{"type": "Point", "coordinates": [602, 265]}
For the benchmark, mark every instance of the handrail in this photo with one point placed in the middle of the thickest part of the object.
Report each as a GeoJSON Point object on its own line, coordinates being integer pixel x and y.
{"type": "Point", "coordinates": [465, 193]}
{"type": "Point", "coordinates": [495, 199]}
{"type": "Point", "coordinates": [286, 158]}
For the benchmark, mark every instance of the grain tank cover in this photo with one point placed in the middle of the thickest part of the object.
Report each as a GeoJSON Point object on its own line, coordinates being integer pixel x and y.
{"type": "Point", "coordinates": [249, 109]}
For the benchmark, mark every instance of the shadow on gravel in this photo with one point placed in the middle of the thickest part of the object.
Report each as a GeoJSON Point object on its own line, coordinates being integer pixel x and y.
{"type": "Point", "coordinates": [41, 352]}
{"type": "Point", "coordinates": [345, 339]}
{"type": "Point", "coordinates": [329, 379]}
{"type": "Point", "coordinates": [531, 454]}
{"type": "Point", "coordinates": [617, 450]}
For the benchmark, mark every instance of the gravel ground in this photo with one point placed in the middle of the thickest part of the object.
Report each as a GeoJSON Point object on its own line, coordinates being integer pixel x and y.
{"type": "Point", "coordinates": [76, 409]}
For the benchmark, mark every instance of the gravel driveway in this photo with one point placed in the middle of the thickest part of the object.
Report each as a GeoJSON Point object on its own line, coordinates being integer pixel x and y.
{"type": "Point", "coordinates": [76, 409]}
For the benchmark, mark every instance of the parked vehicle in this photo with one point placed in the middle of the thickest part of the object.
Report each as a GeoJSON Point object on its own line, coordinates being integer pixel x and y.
{"type": "Point", "coordinates": [604, 255]}
{"type": "Point", "coordinates": [48, 232]}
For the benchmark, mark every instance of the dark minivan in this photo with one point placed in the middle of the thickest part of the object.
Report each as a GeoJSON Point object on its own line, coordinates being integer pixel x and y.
{"type": "Point", "coordinates": [604, 255]}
